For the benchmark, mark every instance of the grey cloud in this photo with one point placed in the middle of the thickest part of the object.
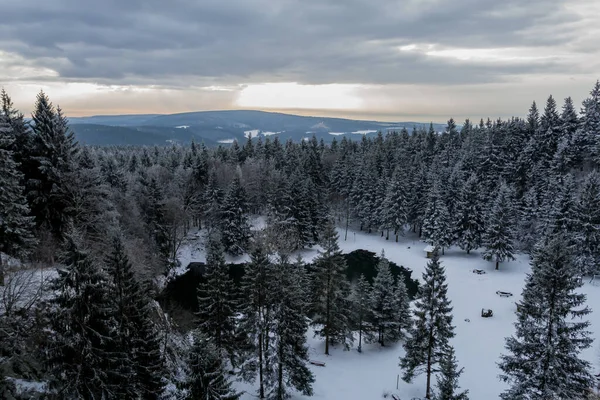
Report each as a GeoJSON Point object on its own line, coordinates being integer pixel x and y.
{"type": "Point", "coordinates": [206, 42]}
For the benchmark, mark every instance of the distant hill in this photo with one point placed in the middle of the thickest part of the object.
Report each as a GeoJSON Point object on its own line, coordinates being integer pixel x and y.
{"type": "Point", "coordinates": [221, 127]}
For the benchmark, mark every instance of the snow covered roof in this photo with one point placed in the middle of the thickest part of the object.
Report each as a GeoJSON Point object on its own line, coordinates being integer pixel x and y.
{"type": "Point", "coordinates": [429, 249]}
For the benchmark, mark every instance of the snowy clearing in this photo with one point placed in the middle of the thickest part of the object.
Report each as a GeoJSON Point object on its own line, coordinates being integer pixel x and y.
{"type": "Point", "coordinates": [227, 141]}
{"type": "Point", "coordinates": [350, 375]}
{"type": "Point", "coordinates": [252, 132]}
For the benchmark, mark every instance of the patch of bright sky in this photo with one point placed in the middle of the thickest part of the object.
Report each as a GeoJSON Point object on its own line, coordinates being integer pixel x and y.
{"type": "Point", "coordinates": [294, 95]}
{"type": "Point", "coordinates": [508, 54]}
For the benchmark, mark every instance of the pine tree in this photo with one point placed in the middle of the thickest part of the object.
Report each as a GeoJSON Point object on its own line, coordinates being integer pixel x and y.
{"type": "Point", "coordinates": [216, 301]}
{"type": "Point", "coordinates": [470, 218]}
{"type": "Point", "coordinates": [437, 225]}
{"type": "Point", "coordinates": [395, 205]}
{"type": "Point", "coordinates": [428, 341]}
{"type": "Point", "coordinates": [207, 378]}
{"type": "Point", "coordinates": [331, 290]}
{"type": "Point", "coordinates": [257, 315]}
{"type": "Point", "coordinates": [137, 334]}
{"type": "Point", "coordinates": [16, 226]}
{"type": "Point", "coordinates": [235, 229]}
{"type": "Point", "coordinates": [499, 235]}
{"type": "Point", "coordinates": [361, 299]}
{"type": "Point", "coordinates": [447, 381]}
{"type": "Point", "coordinates": [587, 226]}
{"type": "Point", "coordinates": [590, 126]}
{"type": "Point", "coordinates": [543, 356]}
{"type": "Point", "coordinates": [388, 304]}
{"type": "Point", "coordinates": [287, 365]}
{"type": "Point", "coordinates": [83, 351]}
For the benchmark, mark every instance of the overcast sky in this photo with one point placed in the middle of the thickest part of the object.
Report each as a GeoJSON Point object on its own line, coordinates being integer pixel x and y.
{"type": "Point", "coordinates": [372, 59]}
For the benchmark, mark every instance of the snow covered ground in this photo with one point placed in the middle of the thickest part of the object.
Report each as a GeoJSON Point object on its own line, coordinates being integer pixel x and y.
{"type": "Point", "coordinates": [479, 341]}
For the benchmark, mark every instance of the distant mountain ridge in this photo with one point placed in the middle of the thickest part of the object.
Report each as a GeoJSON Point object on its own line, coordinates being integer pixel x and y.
{"type": "Point", "coordinates": [222, 127]}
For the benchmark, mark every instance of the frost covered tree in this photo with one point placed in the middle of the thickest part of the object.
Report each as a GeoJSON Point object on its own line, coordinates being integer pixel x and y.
{"type": "Point", "coordinates": [137, 333]}
{"type": "Point", "coordinates": [207, 377]}
{"type": "Point", "coordinates": [470, 219]}
{"type": "Point", "coordinates": [499, 237]}
{"type": "Point", "coordinates": [361, 299]}
{"type": "Point", "coordinates": [437, 224]}
{"type": "Point", "coordinates": [432, 328]}
{"type": "Point", "coordinates": [16, 227]}
{"type": "Point", "coordinates": [542, 359]}
{"type": "Point", "coordinates": [447, 380]}
{"type": "Point", "coordinates": [288, 355]}
{"type": "Point", "coordinates": [256, 321]}
{"type": "Point", "coordinates": [394, 210]}
{"type": "Point", "coordinates": [331, 292]}
{"type": "Point", "coordinates": [83, 352]}
{"type": "Point", "coordinates": [389, 304]}
{"type": "Point", "coordinates": [587, 226]}
{"type": "Point", "coordinates": [234, 225]}
{"type": "Point", "coordinates": [216, 301]}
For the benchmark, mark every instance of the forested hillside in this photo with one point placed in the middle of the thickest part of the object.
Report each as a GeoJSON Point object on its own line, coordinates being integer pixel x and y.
{"type": "Point", "coordinates": [107, 224]}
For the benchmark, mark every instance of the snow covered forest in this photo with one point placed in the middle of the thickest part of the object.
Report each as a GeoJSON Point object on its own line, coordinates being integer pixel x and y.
{"type": "Point", "coordinates": [91, 237]}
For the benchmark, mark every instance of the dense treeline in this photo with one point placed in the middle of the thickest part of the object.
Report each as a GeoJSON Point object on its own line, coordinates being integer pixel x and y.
{"type": "Point", "coordinates": [114, 219]}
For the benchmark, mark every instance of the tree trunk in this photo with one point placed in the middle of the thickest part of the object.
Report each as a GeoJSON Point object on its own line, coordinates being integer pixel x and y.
{"type": "Point", "coordinates": [468, 250]}
{"type": "Point", "coordinates": [280, 393]}
{"type": "Point", "coordinates": [396, 238]}
{"type": "Point", "coordinates": [360, 336]}
{"type": "Point", "coordinates": [260, 366]}
{"type": "Point", "coordinates": [1, 271]}
{"type": "Point", "coordinates": [347, 221]}
{"type": "Point", "coordinates": [387, 235]}
{"type": "Point", "coordinates": [442, 250]}
{"type": "Point", "coordinates": [497, 262]}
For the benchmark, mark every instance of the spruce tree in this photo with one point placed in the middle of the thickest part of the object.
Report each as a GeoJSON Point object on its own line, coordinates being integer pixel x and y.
{"type": "Point", "coordinates": [207, 379]}
{"type": "Point", "coordinates": [136, 330]}
{"type": "Point", "coordinates": [447, 380]}
{"type": "Point", "coordinates": [331, 290]}
{"type": "Point", "coordinates": [16, 227]}
{"type": "Point", "coordinates": [432, 329]}
{"type": "Point", "coordinates": [542, 360]}
{"type": "Point", "coordinates": [234, 226]}
{"type": "Point", "coordinates": [361, 299]}
{"type": "Point", "coordinates": [394, 209]}
{"type": "Point", "coordinates": [257, 315]}
{"type": "Point", "coordinates": [388, 304]}
{"type": "Point", "coordinates": [287, 364]}
{"type": "Point", "coordinates": [216, 301]}
{"type": "Point", "coordinates": [470, 217]}
{"type": "Point", "coordinates": [498, 238]}
{"type": "Point", "coordinates": [437, 225]}
{"type": "Point", "coordinates": [82, 349]}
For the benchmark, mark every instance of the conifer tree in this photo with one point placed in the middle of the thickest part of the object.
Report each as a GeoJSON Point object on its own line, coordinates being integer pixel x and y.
{"type": "Point", "coordinates": [361, 298]}
{"type": "Point", "coordinates": [235, 229]}
{"type": "Point", "coordinates": [207, 378]}
{"type": "Point", "coordinates": [257, 315]}
{"type": "Point", "coordinates": [16, 226]}
{"type": "Point", "coordinates": [287, 364]}
{"type": "Point", "coordinates": [216, 301]}
{"type": "Point", "coordinates": [395, 205]}
{"type": "Point", "coordinates": [470, 218]}
{"type": "Point", "coordinates": [83, 351]}
{"type": "Point", "coordinates": [542, 360]}
{"type": "Point", "coordinates": [587, 226]}
{"type": "Point", "coordinates": [437, 226]}
{"type": "Point", "coordinates": [432, 329]}
{"type": "Point", "coordinates": [499, 235]}
{"type": "Point", "coordinates": [447, 380]}
{"type": "Point", "coordinates": [389, 304]}
{"type": "Point", "coordinates": [136, 330]}
{"type": "Point", "coordinates": [331, 290]}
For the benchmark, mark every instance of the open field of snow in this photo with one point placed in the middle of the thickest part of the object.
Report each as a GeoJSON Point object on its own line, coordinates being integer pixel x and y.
{"type": "Point", "coordinates": [349, 375]}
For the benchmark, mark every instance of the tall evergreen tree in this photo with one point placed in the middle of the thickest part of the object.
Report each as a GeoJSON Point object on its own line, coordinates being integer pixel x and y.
{"type": "Point", "coordinates": [331, 290]}
{"type": "Point", "coordinates": [470, 217]}
{"type": "Point", "coordinates": [437, 225]}
{"type": "Point", "coordinates": [136, 329]}
{"type": "Point", "coordinates": [432, 329]}
{"type": "Point", "coordinates": [447, 380]}
{"type": "Point", "coordinates": [361, 298]}
{"type": "Point", "coordinates": [83, 351]}
{"type": "Point", "coordinates": [16, 227]}
{"type": "Point", "coordinates": [207, 378]}
{"type": "Point", "coordinates": [543, 356]}
{"type": "Point", "coordinates": [395, 205]}
{"type": "Point", "coordinates": [235, 229]}
{"type": "Point", "coordinates": [216, 299]}
{"type": "Point", "coordinates": [499, 235]}
{"type": "Point", "coordinates": [587, 226]}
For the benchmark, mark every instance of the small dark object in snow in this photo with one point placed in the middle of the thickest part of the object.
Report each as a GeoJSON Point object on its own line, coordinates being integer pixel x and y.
{"type": "Point", "coordinates": [467, 320]}
{"type": "Point", "coordinates": [486, 313]}
{"type": "Point", "coordinates": [317, 363]}
{"type": "Point", "coordinates": [408, 247]}
{"type": "Point", "coordinates": [503, 294]}
{"type": "Point", "coordinates": [478, 271]}
{"type": "Point", "coordinates": [395, 397]}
